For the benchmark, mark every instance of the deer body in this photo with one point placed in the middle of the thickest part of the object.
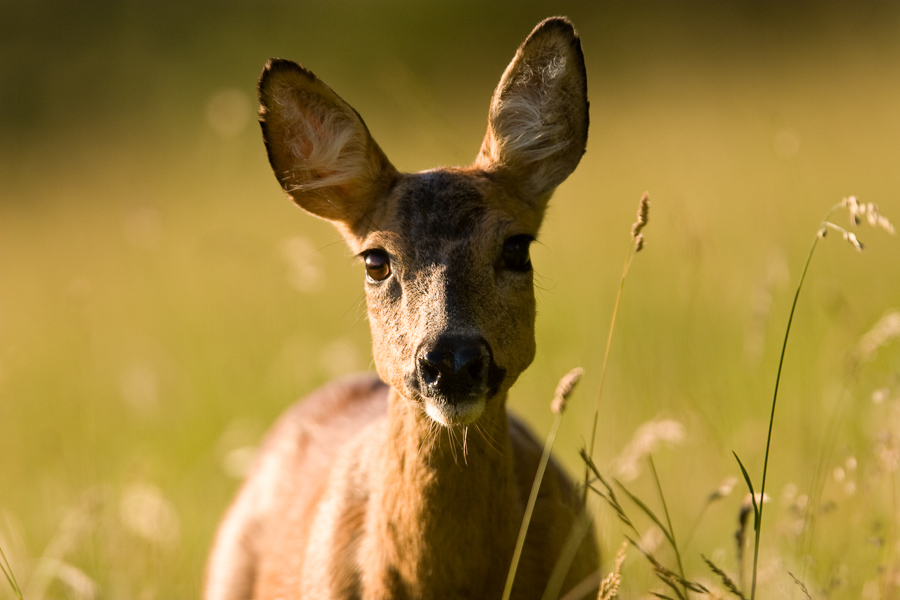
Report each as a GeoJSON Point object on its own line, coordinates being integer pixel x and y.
{"type": "Point", "coordinates": [415, 487]}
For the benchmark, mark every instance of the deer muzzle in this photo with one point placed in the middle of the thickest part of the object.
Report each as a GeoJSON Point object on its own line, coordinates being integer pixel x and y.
{"type": "Point", "coordinates": [454, 376]}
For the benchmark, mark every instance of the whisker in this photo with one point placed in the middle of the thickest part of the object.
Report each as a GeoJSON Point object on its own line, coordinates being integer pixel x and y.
{"type": "Point", "coordinates": [465, 444]}
{"type": "Point", "coordinates": [423, 442]}
{"type": "Point", "coordinates": [435, 430]}
{"type": "Point", "coordinates": [452, 446]}
{"type": "Point", "coordinates": [432, 437]}
{"type": "Point", "coordinates": [488, 439]}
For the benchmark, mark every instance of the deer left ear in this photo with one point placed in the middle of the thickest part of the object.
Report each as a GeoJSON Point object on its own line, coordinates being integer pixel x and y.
{"type": "Point", "coordinates": [538, 120]}
{"type": "Point", "coordinates": [319, 147]}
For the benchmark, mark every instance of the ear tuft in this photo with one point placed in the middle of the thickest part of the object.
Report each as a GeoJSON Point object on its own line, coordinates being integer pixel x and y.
{"type": "Point", "coordinates": [318, 146]}
{"type": "Point", "coordinates": [538, 120]}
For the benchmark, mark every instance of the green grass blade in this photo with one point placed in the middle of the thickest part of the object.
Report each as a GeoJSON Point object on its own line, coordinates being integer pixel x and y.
{"type": "Point", "coordinates": [10, 576]}
{"type": "Point", "coordinates": [762, 488]}
{"type": "Point", "coordinates": [647, 511]}
{"type": "Point", "coordinates": [610, 495]}
{"type": "Point", "coordinates": [662, 499]}
{"type": "Point", "coordinates": [752, 493]}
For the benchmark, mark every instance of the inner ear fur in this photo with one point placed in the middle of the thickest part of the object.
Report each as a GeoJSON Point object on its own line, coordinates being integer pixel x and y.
{"type": "Point", "coordinates": [319, 147]}
{"type": "Point", "coordinates": [538, 119]}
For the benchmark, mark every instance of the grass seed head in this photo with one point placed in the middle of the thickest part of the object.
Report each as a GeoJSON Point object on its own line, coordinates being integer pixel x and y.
{"type": "Point", "coordinates": [852, 206]}
{"type": "Point", "coordinates": [646, 440]}
{"type": "Point", "coordinates": [851, 237]}
{"type": "Point", "coordinates": [723, 490]}
{"type": "Point", "coordinates": [885, 331]}
{"type": "Point", "coordinates": [643, 215]}
{"type": "Point", "coordinates": [868, 212]}
{"type": "Point", "coordinates": [564, 390]}
{"type": "Point", "coordinates": [609, 587]}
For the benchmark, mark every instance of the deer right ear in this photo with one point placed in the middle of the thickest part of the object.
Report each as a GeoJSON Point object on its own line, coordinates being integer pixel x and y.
{"type": "Point", "coordinates": [538, 120]}
{"type": "Point", "coordinates": [319, 147]}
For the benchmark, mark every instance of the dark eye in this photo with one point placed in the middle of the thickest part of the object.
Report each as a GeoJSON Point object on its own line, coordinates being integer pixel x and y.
{"type": "Point", "coordinates": [515, 253]}
{"type": "Point", "coordinates": [378, 265]}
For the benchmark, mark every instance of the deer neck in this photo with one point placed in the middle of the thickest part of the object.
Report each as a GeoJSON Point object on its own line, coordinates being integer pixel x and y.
{"type": "Point", "coordinates": [446, 503]}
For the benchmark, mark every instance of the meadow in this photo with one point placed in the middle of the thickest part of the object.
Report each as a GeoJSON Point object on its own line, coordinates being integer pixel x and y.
{"type": "Point", "coordinates": [162, 301]}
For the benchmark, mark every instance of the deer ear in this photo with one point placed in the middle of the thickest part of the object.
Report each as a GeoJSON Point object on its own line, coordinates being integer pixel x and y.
{"type": "Point", "coordinates": [538, 120]}
{"type": "Point", "coordinates": [319, 147]}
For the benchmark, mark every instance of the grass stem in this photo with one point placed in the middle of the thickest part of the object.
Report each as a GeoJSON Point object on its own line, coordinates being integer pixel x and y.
{"type": "Point", "coordinates": [662, 499]}
{"type": "Point", "coordinates": [612, 326]}
{"type": "Point", "coordinates": [529, 507]}
{"type": "Point", "coordinates": [10, 576]}
{"type": "Point", "coordinates": [580, 528]}
{"type": "Point", "coordinates": [762, 490]}
{"type": "Point", "coordinates": [635, 244]}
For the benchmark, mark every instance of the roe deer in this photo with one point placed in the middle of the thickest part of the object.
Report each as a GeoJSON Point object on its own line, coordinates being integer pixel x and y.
{"type": "Point", "coordinates": [416, 487]}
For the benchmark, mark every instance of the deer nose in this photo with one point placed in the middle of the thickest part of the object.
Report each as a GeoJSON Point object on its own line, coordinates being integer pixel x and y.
{"type": "Point", "coordinates": [455, 367]}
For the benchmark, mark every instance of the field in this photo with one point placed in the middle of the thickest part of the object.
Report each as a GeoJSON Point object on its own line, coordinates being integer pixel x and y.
{"type": "Point", "coordinates": [162, 301]}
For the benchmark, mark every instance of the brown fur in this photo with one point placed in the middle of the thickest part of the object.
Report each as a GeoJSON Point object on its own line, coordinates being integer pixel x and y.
{"type": "Point", "coordinates": [377, 490]}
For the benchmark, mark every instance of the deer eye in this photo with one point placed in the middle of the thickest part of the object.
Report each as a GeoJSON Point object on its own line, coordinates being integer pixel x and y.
{"type": "Point", "coordinates": [515, 253]}
{"type": "Point", "coordinates": [378, 265]}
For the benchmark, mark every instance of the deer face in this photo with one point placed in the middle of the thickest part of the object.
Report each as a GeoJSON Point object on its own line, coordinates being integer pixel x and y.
{"type": "Point", "coordinates": [448, 280]}
{"type": "Point", "coordinates": [449, 292]}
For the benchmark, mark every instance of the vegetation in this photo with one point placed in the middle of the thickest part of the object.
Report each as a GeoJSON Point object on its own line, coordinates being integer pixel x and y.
{"type": "Point", "coordinates": [161, 301]}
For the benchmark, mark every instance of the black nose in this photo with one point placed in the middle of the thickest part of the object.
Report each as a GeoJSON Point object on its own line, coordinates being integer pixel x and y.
{"type": "Point", "coordinates": [456, 368]}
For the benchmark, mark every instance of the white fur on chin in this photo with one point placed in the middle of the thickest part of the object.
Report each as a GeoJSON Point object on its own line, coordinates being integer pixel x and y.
{"type": "Point", "coordinates": [461, 413]}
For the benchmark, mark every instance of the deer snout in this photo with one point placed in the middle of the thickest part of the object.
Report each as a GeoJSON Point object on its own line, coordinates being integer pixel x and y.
{"type": "Point", "coordinates": [454, 369]}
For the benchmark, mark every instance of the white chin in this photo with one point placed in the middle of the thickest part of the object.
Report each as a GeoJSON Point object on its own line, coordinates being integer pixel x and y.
{"type": "Point", "coordinates": [460, 413]}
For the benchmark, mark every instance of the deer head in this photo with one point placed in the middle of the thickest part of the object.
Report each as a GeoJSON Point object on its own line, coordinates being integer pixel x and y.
{"type": "Point", "coordinates": [449, 283]}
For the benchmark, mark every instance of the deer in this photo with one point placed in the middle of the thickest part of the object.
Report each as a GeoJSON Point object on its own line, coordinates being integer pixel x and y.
{"type": "Point", "coordinates": [412, 483]}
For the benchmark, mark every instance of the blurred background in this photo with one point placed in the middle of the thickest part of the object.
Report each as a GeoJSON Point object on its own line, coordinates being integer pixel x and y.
{"type": "Point", "coordinates": [162, 301]}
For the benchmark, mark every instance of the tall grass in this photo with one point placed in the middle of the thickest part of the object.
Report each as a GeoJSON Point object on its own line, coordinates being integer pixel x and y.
{"type": "Point", "coordinates": [635, 245]}
{"type": "Point", "coordinates": [141, 244]}
{"type": "Point", "coordinates": [859, 213]}
{"type": "Point", "coordinates": [557, 406]}
{"type": "Point", "coordinates": [676, 580]}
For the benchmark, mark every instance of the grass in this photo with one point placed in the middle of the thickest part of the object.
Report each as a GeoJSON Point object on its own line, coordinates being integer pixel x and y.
{"type": "Point", "coordinates": [676, 580]}
{"type": "Point", "coordinates": [151, 328]}
{"type": "Point", "coordinates": [9, 575]}
{"type": "Point", "coordinates": [850, 203]}
{"type": "Point", "coordinates": [557, 407]}
{"type": "Point", "coordinates": [635, 245]}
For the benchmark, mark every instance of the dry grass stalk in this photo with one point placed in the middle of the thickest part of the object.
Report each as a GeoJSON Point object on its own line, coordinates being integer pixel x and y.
{"type": "Point", "coordinates": [563, 390]}
{"type": "Point", "coordinates": [727, 581]}
{"type": "Point", "coordinates": [801, 585]}
{"type": "Point", "coordinates": [635, 245]}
